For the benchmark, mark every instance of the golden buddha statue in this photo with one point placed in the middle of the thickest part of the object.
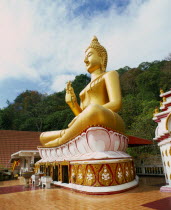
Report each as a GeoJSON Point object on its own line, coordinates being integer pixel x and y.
{"type": "Point", "coordinates": [100, 100]}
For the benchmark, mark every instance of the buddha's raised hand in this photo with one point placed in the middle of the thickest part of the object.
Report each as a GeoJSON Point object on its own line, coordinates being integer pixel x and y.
{"type": "Point", "coordinates": [70, 96]}
{"type": "Point", "coordinates": [71, 99]}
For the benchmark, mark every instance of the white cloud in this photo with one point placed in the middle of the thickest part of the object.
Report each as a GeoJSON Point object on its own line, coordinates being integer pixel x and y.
{"type": "Point", "coordinates": [59, 82]}
{"type": "Point", "coordinates": [41, 39]}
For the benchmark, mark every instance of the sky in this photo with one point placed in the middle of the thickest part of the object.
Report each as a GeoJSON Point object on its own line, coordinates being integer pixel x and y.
{"type": "Point", "coordinates": [42, 42]}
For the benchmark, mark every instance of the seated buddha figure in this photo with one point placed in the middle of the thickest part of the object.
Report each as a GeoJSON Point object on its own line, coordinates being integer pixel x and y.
{"type": "Point", "coordinates": [100, 100]}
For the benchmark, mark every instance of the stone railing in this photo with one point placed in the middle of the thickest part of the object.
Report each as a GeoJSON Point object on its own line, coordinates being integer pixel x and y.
{"type": "Point", "coordinates": [150, 170]}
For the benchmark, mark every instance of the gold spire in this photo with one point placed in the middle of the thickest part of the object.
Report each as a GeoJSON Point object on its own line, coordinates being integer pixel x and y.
{"type": "Point", "coordinates": [95, 41]}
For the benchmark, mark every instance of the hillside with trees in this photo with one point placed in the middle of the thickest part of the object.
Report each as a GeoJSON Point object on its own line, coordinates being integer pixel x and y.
{"type": "Point", "coordinates": [140, 91]}
{"type": "Point", "coordinates": [34, 111]}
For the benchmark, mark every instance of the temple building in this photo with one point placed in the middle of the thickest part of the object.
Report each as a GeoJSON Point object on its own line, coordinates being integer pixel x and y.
{"type": "Point", "coordinates": [162, 116]}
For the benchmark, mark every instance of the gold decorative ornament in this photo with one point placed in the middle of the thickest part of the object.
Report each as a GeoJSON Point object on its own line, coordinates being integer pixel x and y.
{"type": "Point", "coordinates": [166, 152]}
{"type": "Point", "coordinates": [90, 176]}
{"type": "Point", "coordinates": [156, 111]}
{"type": "Point", "coordinates": [105, 176]}
{"type": "Point", "coordinates": [100, 100]}
{"type": "Point", "coordinates": [168, 163]}
{"type": "Point", "coordinates": [164, 99]}
{"type": "Point", "coordinates": [99, 175]}
{"type": "Point", "coordinates": [163, 153]}
{"type": "Point", "coordinates": [161, 91]}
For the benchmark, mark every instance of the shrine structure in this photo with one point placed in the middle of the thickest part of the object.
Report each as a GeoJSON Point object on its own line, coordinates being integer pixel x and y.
{"type": "Point", "coordinates": [90, 155]}
{"type": "Point", "coordinates": [163, 135]}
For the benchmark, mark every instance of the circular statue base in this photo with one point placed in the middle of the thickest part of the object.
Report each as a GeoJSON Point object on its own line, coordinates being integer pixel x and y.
{"type": "Point", "coordinates": [100, 176]}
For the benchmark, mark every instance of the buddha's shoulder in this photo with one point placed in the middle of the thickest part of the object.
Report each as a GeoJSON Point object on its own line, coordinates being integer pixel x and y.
{"type": "Point", "coordinates": [111, 74]}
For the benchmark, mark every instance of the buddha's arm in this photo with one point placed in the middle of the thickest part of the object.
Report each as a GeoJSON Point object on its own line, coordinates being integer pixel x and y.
{"type": "Point", "coordinates": [71, 100]}
{"type": "Point", "coordinates": [75, 108]}
{"type": "Point", "coordinates": [113, 90]}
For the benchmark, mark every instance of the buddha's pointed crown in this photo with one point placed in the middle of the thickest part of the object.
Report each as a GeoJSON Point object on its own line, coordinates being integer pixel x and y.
{"type": "Point", "coordinates": [99, 48]}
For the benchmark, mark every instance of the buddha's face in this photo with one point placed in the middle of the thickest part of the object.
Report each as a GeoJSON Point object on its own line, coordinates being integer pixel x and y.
{"type": "Point", "coordinates": [92, 60]}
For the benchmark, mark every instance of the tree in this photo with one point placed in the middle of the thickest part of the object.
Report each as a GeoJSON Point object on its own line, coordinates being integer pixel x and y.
{"type": "Point", "coordinates": [144, 66]}
{"type": "Point", "coordinates": [7, 116]}
{"type": "Point", "coordinates": [165, 79]}
{"type": "Point", "coordinates": [29, 106]}
{"type": "Point", "coordinates": [168, 58]}
{"type": "Point", "coordinates": [123, 70]}
{"type": "Point", "coordinates": [128, 81]}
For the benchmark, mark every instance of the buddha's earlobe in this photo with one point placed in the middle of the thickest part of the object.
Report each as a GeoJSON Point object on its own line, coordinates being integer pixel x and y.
{"type": "Point", "coordinates": [102, 63]}
{"type": "Point", "coordinates": [103, 68]}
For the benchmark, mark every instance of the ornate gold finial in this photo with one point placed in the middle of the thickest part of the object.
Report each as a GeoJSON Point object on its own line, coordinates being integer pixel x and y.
{"type": "Point", "coordinates": [100, 50]}
{"type": "Point", "coordinates": [161, 91]}
{"type": "Point", "coordinates": [161, 103]}
{"type": "Point", "coordinates": [164, 99]}
{"type": "Point", "coordinates": [156, 110]}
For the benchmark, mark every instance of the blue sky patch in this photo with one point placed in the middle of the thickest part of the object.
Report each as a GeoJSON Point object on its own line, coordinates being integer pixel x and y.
{"type": "Point", "coordinates": [92, 7]}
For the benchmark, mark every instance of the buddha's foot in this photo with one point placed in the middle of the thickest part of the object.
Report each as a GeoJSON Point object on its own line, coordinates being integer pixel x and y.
{"type": "Point", "coordinates": [53, 143]}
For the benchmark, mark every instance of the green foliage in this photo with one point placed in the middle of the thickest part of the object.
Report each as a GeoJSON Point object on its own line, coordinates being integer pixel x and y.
{"type": "Point", "coordinates": [140, 88]}
{"type": "Point", "coordinates": [142, 125]}
{"type": "Point", "coordinates": [140, 151]}
{"type": "Point", "coordinates": [123, 70]}
{"type": "Point", "coordinates": [144, 66]}
{"type": "Point", "coordinates": [7, 116]}
{"type": "Point", "coordinates": [58, 120]}
{"type": "Point", "coordinates": [128, 81]}
{"type": "Point", "coordinates": [34, 111]}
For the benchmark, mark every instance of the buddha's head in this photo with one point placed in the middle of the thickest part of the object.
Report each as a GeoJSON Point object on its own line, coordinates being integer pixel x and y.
{"type": "Point", "coordinates": [95, 56]}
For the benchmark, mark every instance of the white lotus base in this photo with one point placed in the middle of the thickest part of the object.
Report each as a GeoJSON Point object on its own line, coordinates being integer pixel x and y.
{"type": "Point", "coordinates": [94, 143]}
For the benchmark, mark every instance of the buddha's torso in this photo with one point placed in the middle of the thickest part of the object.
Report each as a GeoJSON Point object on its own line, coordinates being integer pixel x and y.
{"type": "Point", "coordinates": [94, 93]}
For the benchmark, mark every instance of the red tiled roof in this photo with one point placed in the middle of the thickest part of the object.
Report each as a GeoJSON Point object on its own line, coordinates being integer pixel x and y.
{"type": "Point", "coordinates": [13, 141]}
{"type": "Point", "coordinates": [136, 141]}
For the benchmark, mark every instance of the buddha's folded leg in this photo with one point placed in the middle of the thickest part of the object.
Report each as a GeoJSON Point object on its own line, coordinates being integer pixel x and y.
{"type": "Point", "coordinates": [53, 143]}
{"type": "Point", "coordinates": [46, 137]}
{"type": "Point", "coordinates": [93, 115]}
